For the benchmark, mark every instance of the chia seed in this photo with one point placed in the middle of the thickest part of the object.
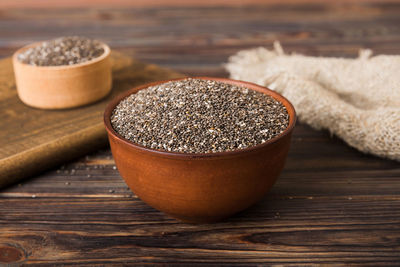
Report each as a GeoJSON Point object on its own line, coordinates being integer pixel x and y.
{"type": "Point", "coordinates": [199, 116]}
{"type": "Point", "coordinates": [62, 51]}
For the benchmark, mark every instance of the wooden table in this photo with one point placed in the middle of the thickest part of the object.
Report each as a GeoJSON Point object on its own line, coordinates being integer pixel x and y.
{"type": "Point", "coordinates": [331, 205]}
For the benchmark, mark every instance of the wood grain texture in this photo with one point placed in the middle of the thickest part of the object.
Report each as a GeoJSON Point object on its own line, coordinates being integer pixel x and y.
{"type": "Point", "coordinates": [47, 4]}
{"type": "Point", "coordinates": [34, 140]}
{"type": "Point", "coordinates": [332, 205]}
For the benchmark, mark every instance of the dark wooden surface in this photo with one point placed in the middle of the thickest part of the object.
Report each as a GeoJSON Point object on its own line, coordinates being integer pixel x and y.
{"type": "Point", "coordinates": [331, 205]}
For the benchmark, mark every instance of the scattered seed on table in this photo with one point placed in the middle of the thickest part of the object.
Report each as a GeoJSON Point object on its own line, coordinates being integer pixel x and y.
{"type": "Point", "coordinates": [62, 51]}
{"type": "Point", "coordinates": [199, 116]}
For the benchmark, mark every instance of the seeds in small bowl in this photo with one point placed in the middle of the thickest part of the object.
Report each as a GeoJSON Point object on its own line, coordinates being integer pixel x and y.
{"type": "Point", "coordinates": [63, 73]}
{"type": "Point", "coordinates": [199, 116]}
{"type": "Point", "coordinates": [62, 51]}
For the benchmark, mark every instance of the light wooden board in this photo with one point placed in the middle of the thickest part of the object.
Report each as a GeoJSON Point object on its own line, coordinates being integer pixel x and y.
{"type": "Point", "coordinates": [33, 140]}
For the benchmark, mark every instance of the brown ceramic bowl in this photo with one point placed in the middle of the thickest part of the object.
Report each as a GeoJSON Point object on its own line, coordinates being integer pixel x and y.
{"type": "Point", "coordinates": [66, 86]}
{"type": "Point", "coordinates": [201, 187]}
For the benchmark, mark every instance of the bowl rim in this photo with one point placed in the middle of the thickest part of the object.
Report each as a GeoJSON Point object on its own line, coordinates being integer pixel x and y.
{"type": "Point", "coordinates": [110, 107]}
{"type": "Point", "coordinates": [106, 53]}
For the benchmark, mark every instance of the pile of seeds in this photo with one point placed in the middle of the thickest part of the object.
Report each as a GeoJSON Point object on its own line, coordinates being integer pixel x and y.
{"type": "Point", "coordinates": [199, 116]}
{"type": "Point", "coordinates": [62, 51]}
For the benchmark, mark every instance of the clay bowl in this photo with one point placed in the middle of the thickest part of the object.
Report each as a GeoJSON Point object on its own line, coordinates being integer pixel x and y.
{"type": "Point", "coordinates": [58, 87]}
{"type": "Point", "coordinates": [200, 187]}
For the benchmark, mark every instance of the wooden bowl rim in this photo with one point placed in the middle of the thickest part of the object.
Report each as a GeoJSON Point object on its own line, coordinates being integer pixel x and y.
{"type": "Point", "coordinates": [110, 107]}
{"type": "Point", "coordinates": [105, 54]}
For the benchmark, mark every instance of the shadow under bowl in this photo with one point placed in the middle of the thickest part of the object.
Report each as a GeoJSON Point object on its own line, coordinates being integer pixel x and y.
{"type": "Point", "coordinates": [206, 187]}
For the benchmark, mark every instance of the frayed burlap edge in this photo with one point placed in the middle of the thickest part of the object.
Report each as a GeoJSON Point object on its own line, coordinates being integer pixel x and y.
{"type": "Point", "coordinates": [356, 99]}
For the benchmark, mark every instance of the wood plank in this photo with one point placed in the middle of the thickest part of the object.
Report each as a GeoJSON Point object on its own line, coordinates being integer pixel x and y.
{"type": "Point", "coordinates": [34, 140]}
{"type": "Point", "coordinates": [346, 214]}
{"type": "Point", "coordinates": [180, 38]}
{"type": "Point", "coordinates": [330, 169]}
{"type": "Point", "coordinates": [296, 231]}
{"type": "Point", "coordinates": [154, 3]}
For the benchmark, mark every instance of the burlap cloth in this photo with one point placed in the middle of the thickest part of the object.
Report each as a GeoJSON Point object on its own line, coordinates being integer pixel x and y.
{"type": "Point", "coordinates": [356, 99]}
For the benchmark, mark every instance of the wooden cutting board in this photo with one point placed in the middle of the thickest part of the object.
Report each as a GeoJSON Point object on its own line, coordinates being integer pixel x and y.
{"type": "Point", "coordinates": [33, 140]}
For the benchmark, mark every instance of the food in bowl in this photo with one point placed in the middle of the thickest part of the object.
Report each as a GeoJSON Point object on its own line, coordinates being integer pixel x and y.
{"type": "Point", "coordinates": [63, 73]}
{"type": "Point", "coordinates": [199, 116]}
{"type": "Point", "coordinates": [198, 183]}
{"type": "Point", "coordinates": [68, 50]}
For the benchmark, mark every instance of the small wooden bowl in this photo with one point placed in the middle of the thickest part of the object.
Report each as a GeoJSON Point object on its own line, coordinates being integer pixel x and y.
{"type": "Point", "coordinates": [201, 187]}
{"type": "Point", "coordinates": [67, 86]}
